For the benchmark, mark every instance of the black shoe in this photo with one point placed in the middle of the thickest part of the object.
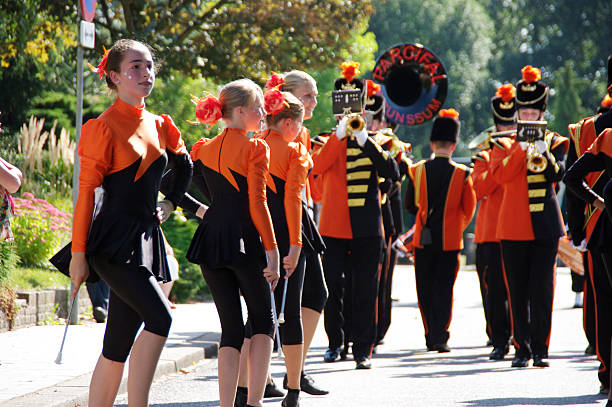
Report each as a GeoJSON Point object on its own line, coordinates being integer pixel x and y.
{"type": "Point", "coordinates": [307, 384]}
{"type": "Point", "coordinates": [490, 342]}
{"type": "Point", "coordinates": [604, 390]}
{"type": "Point", "coordinates": [363, 362]}
{"type": "Point", "coordinates": [590, 350]}
{"type": "Point", "coordinates": [520, 361]}
{"type": "Point", "coordinates": [241, 397]}
{"type": "Point", "coordinates": [498, 353]}
{"type": "Point", "coordinates": [344, 353]}
{"type": "Point", "coordinates": [331, 355]}
{"type": "Point", "coordinates": [292, 399]}
{"type": "Point", "coordinates": [272, 390]}
{"type": "Point", "coordinates": [99, 314]}
{"type": "Point", "coordinates": [441, 348]}
{"type": "Point", "coordinates": [538, 361]}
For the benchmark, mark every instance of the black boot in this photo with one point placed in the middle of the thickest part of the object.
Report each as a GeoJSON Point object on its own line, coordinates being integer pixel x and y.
{"type": "Point", "coordinates": [309, 386]}
{"type": "Point", "coordinates": [292, 399]}
{"type": "Point", "coordinates": [241, 397]}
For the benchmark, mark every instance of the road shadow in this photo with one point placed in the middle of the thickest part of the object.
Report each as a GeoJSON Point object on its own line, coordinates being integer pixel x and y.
{"type": "Point", "coordinates": [588, 399]}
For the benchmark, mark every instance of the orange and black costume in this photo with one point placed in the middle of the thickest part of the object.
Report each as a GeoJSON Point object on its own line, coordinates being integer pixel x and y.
{"type": "Point", "coordinates": [351, 226]}
{"type": "Point", "coordinates": [231, 171]}
{"type": "Point", "coordinates": [289, 166]}
{"type": "Point", "coordinates": [588, 179]}
{"type": "Point", "coordinates": [314, 290]}
{"type": "Point", "coordinates": [126, 150]}
{"type": "Point", "coordinates": [529, 229]}
{"type": "Point", "coordinates": [441, 195]}
{"type": "Point", "coordinates": [488, 252]}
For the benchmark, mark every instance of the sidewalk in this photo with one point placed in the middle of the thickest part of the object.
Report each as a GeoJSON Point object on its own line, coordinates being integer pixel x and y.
{"type": "Point", "coordinates": [29, 375]}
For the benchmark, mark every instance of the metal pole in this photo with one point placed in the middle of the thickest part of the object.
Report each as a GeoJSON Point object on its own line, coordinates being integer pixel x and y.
{"type": "Point", "coordinates": [74, 317]}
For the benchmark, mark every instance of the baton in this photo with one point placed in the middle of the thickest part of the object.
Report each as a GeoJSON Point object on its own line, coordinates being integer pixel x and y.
{"type": "Point", "coordinates": [281, 317]}
{"type": "Point", "coordinates": [276, 331]}
{"type": "Point", "coordinates": [58, 360]}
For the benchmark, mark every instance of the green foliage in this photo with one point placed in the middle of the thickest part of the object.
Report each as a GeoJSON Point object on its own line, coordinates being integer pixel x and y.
{"type": "Point", "coordinates": [39, 228]}
{"type": "Point", "coordinates": [567, 107]}
{"type": "Point", "coordinates": [36, 278]}
{"type": "Point", "coordinates": [172, 96]}
{"type": "Point", "coordinates": [179, 231]}
{"type": "Point", "coordinates": [8, 259]}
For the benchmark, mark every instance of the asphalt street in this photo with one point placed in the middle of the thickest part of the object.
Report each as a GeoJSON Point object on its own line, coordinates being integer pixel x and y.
{"type": "Point", "coordinates": [405, 374]}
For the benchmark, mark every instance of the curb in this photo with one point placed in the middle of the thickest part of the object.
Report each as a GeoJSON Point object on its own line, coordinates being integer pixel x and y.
{"type": "Point", "coordinates": [74, 392]}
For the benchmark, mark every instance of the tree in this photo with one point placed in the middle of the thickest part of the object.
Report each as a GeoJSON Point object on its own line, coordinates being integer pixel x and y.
{"type": "Point", "coordinates": [566, 107]}
{"type": "Point", "coordinates": [226, 39]}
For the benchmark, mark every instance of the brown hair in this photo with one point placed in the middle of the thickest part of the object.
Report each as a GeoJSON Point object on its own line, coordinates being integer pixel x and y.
{"type": "Point", "coordinates": [295, 79]}
{"type": "Point", "coordinates": [294, 111]}
{"type": "Point", "coordinates": [116, 54]}
{"type": "Point", "coordinates": [242, 92]}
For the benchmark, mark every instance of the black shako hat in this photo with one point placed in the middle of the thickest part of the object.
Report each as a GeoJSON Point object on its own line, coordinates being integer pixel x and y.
{"type": "Point", "coordinates": [503, 105]}
{"type": "Point", "coordinates": [446, 126]}
{"type": "Point", "coordinates": [530, 91]}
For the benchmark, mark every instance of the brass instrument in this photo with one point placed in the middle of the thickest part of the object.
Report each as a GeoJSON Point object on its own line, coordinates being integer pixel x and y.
{"type": "Point", "coordinates": [413, 82]}
{"type": "Point", "coordinates": [355, 122]}
{"type": "Point", "coordinates": [536, 162]}
{"type": "Point", "coordinates": [531, 132]}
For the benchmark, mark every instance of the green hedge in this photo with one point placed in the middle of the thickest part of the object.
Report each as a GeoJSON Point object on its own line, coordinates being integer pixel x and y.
{"type": "Point", "coordinates": [191, 285]}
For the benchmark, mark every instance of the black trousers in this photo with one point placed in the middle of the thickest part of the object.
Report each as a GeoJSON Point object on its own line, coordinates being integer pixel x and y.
{"type": "Point", "coordinates": [314, 292]}
{"type": "Point", "coordinates": [354, 262]}
{"type": "Point", "coordinates": [226, 284]}
{"type": "Point", "coordinates": [496, 297]}
{"type": "Point", "coordinates": [603, 312]}
{"type": "Point", "coordinates": [529, 267]}
{"type": "Point", "coordinates": [588, 304]}
{"type": "Point", "coordinates": [384, 290]}
{"type": "Point", "coordinates": [435, 272]}
{"type": "Point", "coordinates": [135, 297]}
{"type": "Point", "coordinates": [481, 270]}
{"type": "Point", "coordinates": [291, 332]}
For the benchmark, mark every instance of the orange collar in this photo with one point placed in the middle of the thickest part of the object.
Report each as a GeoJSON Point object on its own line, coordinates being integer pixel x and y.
{"type": "Point", "coordinates": [127, 109]}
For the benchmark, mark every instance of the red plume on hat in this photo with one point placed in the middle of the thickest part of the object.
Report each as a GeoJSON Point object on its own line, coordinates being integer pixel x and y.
{"type": "Point", "coordinates": [276, 81]}
{"type": "Point", "coordinates": [372, 88]}
{"type": "Point", "coordinates": [531, 74]}
{"type": "Point", "coordinates": [607, 101]}
{"type": "Point", "coordinates": [101, 68]}
{"type": "Point", "coordinates": [350, 69]}
{"type": "Point", "coordinates": [450, 113]}
{"type": "Point", "coordinates": [506, 92]}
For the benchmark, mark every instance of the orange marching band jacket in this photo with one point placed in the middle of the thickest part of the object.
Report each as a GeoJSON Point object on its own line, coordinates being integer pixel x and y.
{"type": "Point", "coordinates": [529, 208]}
{"type": "Point", "coordinates": [459, 204]}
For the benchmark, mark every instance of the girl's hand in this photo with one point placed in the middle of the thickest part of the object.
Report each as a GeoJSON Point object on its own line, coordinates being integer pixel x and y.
{"type": "Point", "coordinates": [291, 260]}
{"type": "Point", "coordinates": [599, 204]}
{"type": "Point", "coordinates": [271, 273]}
{"type": "Point", "coordinates": [79, 271]}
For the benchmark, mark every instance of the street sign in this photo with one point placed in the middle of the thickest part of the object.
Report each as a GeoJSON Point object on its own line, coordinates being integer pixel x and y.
{"type": "Point", "coordinates": [88, 9]}
{"type": "Point", "coordinates": [87, 34]}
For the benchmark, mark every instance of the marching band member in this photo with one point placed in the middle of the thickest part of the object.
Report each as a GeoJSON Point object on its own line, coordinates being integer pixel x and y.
{"type": "Point", "coordinates": [587, 179]}
{"type": "Point", "coordinates": [583, 219]}
{"type": "Point", "coordinates": [235, 244]}
{"type": "Point", "coordinates": [530, 223]}
{"type": "Point", "coordinates": [126, 150]}
{"type": "Point", "coordinates": [314, 292]}
{"type": "Point", "coordinates": [351, 228]}
{"type": "Point", "coordinates": [488, 251]}
{"type": "Point", "coordinates": [441, 195]}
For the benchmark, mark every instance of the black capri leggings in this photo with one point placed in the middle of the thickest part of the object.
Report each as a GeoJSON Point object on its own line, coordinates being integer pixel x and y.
{"type": "Point", "coordinates": [135, 296]}
{"type": "Point", "coordinates": [291, 332]}
{"type": "Point", "coordinates": [314, 292]}
{"type": "Point", "coordinates": [226, 284]}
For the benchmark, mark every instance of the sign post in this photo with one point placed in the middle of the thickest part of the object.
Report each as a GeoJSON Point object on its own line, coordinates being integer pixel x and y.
{"type": "Point", "coordinates": [87, 9]}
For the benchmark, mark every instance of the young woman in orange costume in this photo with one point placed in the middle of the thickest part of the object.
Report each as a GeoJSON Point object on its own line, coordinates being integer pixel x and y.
{"type": "Point", "coordinates": [231, 171]}
{"type": "Point", "coordinates": [126, 150]}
